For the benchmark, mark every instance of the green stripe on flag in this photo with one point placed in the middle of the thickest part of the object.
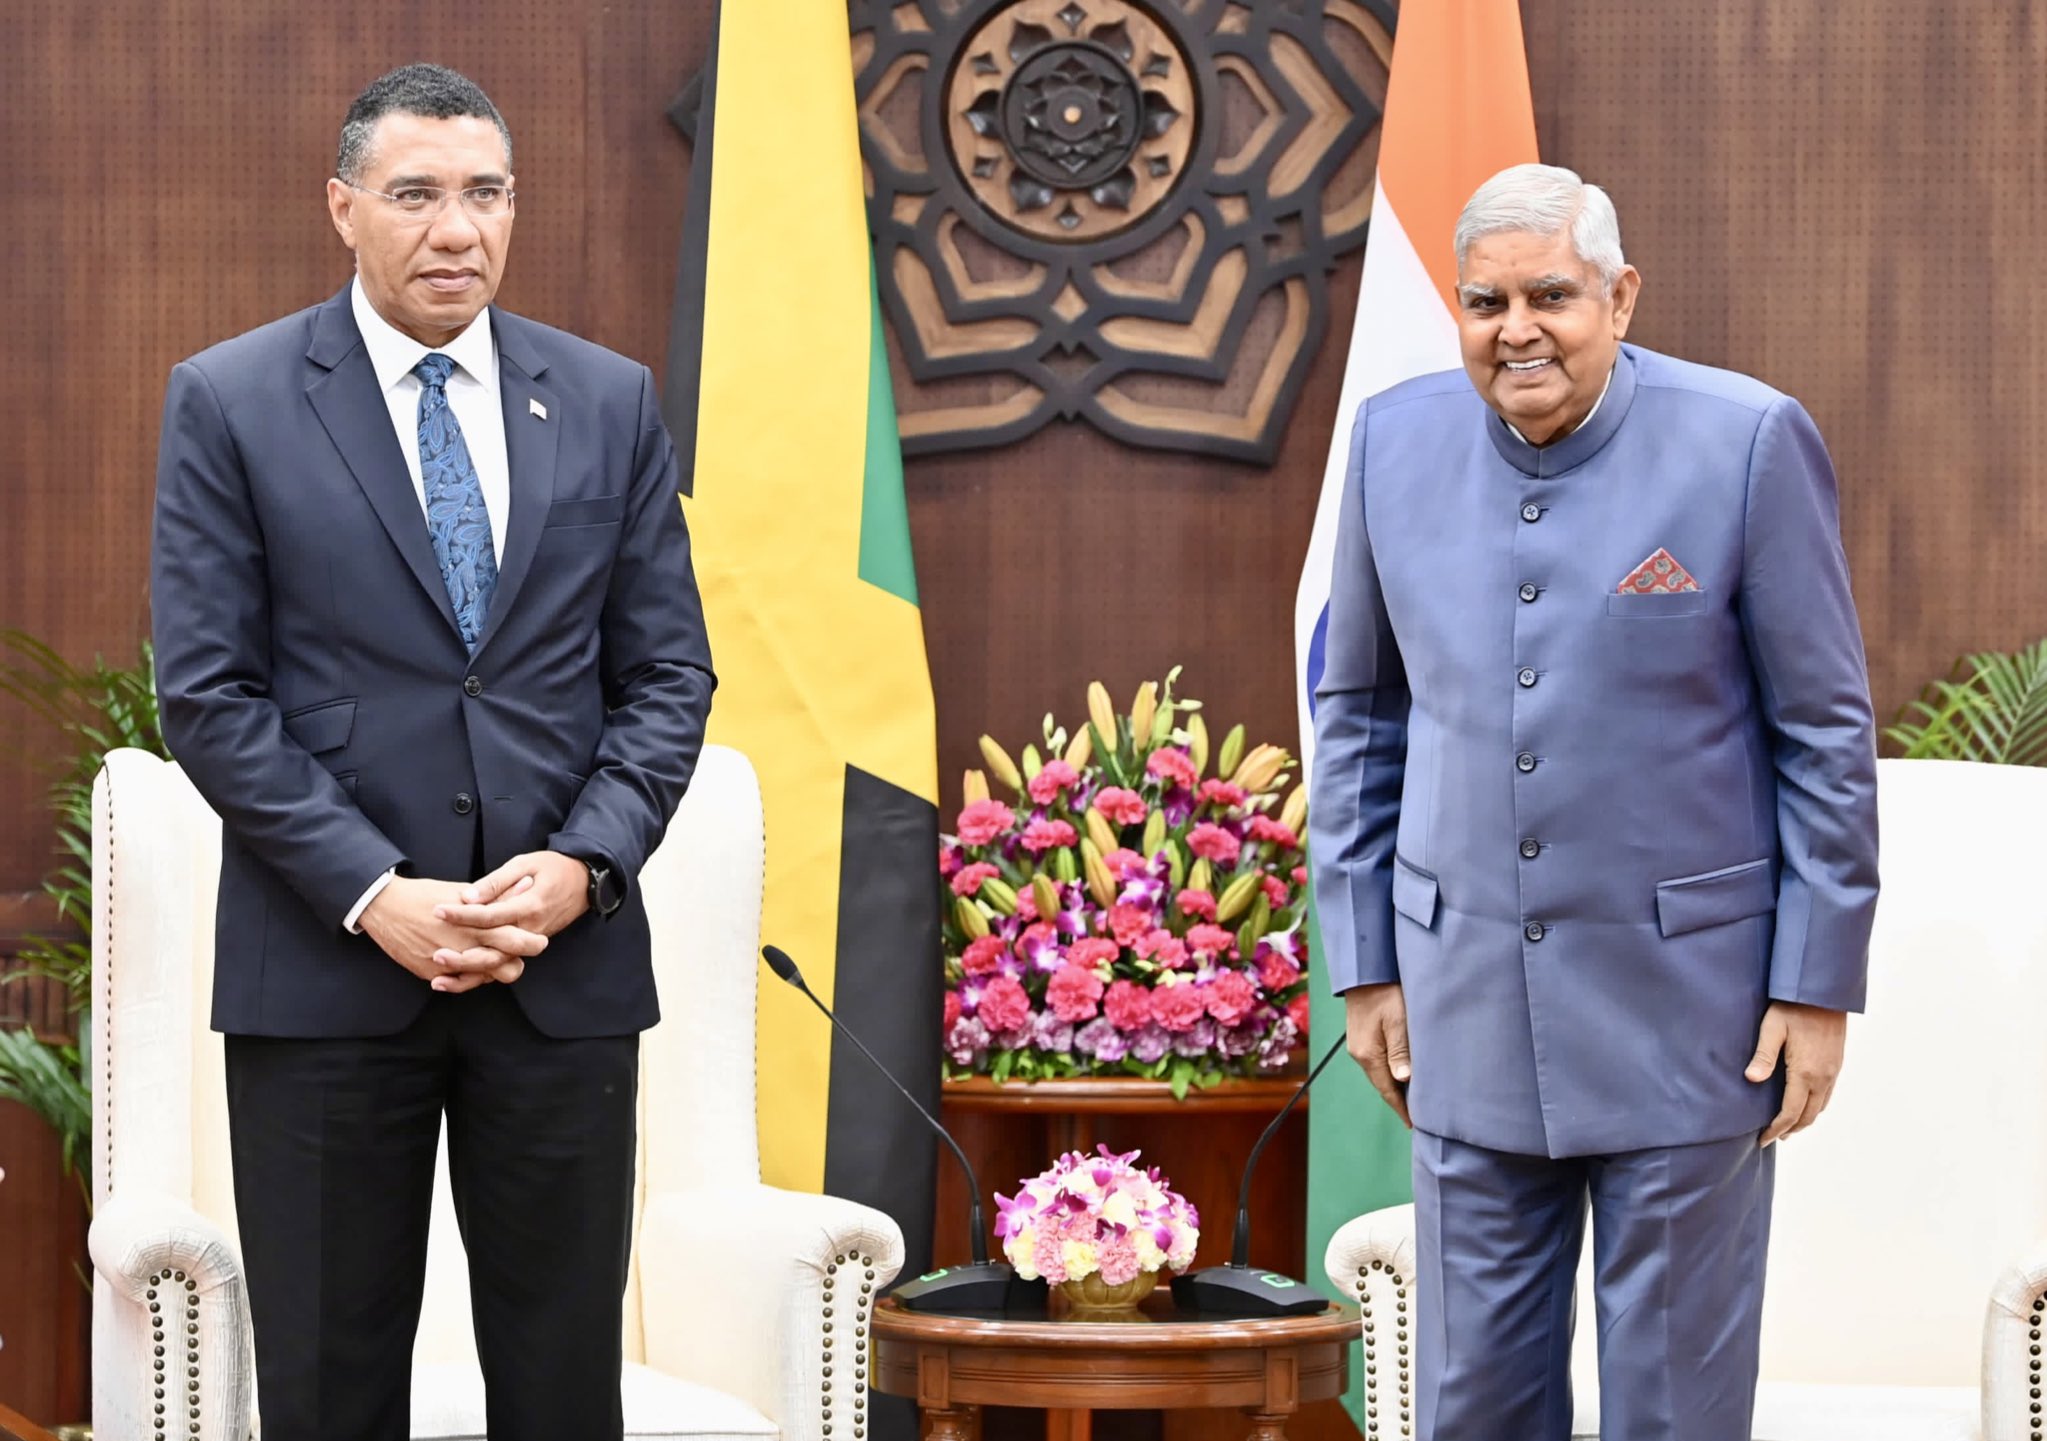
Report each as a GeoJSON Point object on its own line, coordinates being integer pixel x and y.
{"type": "Point", "coordinates": [885, 557]}
{"type": "Point", "coordinates": [1358, 1158]}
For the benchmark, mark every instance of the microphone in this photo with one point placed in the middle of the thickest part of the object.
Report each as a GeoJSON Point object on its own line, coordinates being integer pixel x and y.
{"type": "Point", "coordinates": [1236, 1289]}
{"type": "Point", "coordinates": [982, 1286]}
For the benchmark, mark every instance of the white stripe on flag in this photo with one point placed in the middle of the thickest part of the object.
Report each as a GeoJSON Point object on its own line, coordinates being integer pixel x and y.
{"type": "Point", "coordinates": [1401, 331]}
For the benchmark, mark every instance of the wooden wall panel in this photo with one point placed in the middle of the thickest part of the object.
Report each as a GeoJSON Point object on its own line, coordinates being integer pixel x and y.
{"type": "Point", "coordinates": [1846, 199]}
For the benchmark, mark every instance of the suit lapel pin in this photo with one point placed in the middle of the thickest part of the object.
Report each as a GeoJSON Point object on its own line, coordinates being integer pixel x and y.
{"type": "Point", "coordinates": [537, 408]}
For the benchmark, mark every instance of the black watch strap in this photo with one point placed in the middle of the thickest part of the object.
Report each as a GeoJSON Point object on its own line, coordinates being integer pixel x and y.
{"type": "Point", "coordinates": [606, 894]}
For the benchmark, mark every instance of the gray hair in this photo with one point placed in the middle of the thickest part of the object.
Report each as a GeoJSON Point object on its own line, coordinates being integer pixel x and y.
{"type": "Point", "coordinates": [1543, 200]}
{"type": "Point", "coordinates": [433, 92]}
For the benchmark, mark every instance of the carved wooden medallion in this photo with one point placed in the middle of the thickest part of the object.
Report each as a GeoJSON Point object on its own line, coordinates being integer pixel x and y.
{"type": "Point", "coordinates": [1117, 211]}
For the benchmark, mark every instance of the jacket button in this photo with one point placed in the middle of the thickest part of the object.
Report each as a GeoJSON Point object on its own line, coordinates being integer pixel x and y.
{"type": "Point", "coordinates": [1531, 848]}
{"type": "Point", "coordinates": [1527, 677]}
{"type": "Point", "coordinates": [1531, 512]}
{"type": "Point", "coordinates": [472, 686]}
{"type": "Point", "coordinates": [464, 803]}
{"type": "Point", "coordinates": [1528, 591]}
{"type": "Point", "coordinates": [1534, 931]}
{"type": "Point", "coordinates": [1525, 762]}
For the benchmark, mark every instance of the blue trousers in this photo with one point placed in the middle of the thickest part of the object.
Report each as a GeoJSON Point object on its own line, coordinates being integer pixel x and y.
{"type": "Point", "coordinates": [1679, 1236]}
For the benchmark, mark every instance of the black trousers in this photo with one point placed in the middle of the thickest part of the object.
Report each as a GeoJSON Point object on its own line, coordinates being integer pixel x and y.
{"type": "Point", "coordinates": [334, 1144]}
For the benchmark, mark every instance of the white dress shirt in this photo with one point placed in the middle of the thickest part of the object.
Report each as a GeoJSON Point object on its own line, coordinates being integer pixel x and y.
{"type": "Point", "coordinates": [1572, 431]}
{"type": "Point", "coordinates": [473, 396]}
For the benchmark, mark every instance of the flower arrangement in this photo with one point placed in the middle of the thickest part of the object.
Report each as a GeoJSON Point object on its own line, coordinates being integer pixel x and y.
{"type": "Point", "coordinates": [1096, 1214]}
{"type": "Point", "coordinates": [1128, 912]}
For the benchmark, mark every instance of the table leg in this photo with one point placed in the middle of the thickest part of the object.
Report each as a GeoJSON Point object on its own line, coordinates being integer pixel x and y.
{"type": "Point", "coordinates": [1069, 1425]}
{"type": "Point", "coordinates": [1267, 1426]}
{"type": "Point", "coordinates": [952, 1423]}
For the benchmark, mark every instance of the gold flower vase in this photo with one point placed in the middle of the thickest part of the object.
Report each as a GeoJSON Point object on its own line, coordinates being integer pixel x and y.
{"type": "Point", "coordinates": [1091, 1294]}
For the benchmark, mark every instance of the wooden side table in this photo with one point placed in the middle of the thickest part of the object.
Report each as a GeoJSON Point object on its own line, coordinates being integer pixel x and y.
{"type": "Point", "coordinates": [1160, 1358]}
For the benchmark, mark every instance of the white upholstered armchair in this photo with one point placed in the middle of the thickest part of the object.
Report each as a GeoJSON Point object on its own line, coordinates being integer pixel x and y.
{"type": "Point", "coordinates": [1908, 1252]}
{"type": "Point", "coordinates": [731, 1282]}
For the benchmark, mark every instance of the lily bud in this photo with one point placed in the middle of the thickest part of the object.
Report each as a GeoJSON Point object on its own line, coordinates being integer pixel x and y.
{"type": "Point", "coordinates": [1233, 749]}
{"type": "Point", "coordinates": [1102, 711]}
{"type": "Point", "coordinates": [1200, 876]}
{"type": "Point", "coordinates": [1143, 711]}
{"type": "Point", "coordinates": [1032, 762]}
{"type": "Point", "coordinates": [1197, 743]}
{"type": "Point", "coordinates": [974, 786]}
{"type": "Point", "coordinates": [1047, 897]}
{"type": "Point", "coordinates": [1154, 834]}
{"type": "Point", "coordinates": [1236, 897]}
{"type": "Point", "coordinates": [1000, 764]}
{"type": "Point", "coordinates": [1295, 811]}
{"type": "Point", "coordinates": [1100, 831]}
{"type": "Point", "coordinates": [1080, 749]}
{"type": "Point", "coordinates": [970, 918]}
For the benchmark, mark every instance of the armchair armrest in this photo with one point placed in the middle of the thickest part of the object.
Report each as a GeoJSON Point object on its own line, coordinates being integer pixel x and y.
{"type": "Point", "coordinates": [171, 1320]}
{"type": "Point", "coordinates": [2013, 1327]}
{"type": "Point", "coordinates": [1371, 1259]}
{"type": "Point", "coordinates": [767, 1294]}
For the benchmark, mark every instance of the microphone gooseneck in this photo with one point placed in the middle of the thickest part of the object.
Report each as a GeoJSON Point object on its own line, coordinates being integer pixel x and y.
{"type": "Point", "coordinates": [779, 962]}
{"type": "Point", "coordinates": [1240, 1245]}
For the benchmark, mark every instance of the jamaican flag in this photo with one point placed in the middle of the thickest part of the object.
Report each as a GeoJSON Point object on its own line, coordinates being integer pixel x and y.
{"type": "Point", "coordinates": [778, 385]}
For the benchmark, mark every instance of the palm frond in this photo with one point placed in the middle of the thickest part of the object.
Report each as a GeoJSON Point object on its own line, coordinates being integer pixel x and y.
{"type": "Point", "coordinates": [1993, 710]}
{"type": "Point", "coordinates": [48, 1079]}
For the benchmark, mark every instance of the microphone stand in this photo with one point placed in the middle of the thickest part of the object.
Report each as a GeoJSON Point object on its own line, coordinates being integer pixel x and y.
{"type": "Point", "coordinates": [1236, 1289]}
{"type": "Point", "coordinates": [983, 1285]}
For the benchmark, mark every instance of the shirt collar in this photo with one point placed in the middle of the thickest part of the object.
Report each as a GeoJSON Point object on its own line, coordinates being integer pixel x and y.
{"type": "Point", "coordinates": [393, 353]}
{"type": "Point", "coordinates": [1545, 461]}
{"type": "Point", "coordinates": [1588, 414]}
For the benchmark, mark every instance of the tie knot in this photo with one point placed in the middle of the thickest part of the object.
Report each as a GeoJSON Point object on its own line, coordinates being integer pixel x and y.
{"type": "Point", "coordinates": [434, 370]}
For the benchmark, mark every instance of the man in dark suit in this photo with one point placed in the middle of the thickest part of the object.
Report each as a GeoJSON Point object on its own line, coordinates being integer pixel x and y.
{"type": "Point", "coordinates": [429, 641]}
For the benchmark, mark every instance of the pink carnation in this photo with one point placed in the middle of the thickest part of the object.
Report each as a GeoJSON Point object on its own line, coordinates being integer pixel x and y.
{"type": "Point", "coordinates": [1073, 993]}
{"type": "Point", "coordinates": [968, 881]}
{"type": "Point", "coordinates": [1092, 951]}
{"type": "Point", "coordinates": [1276, 891]}
{"type": "Point", "coordinates": [1213, 844]}
{"type": "Point", "coordinates": [1277, 971]}
{"type": "Point", "coordinates": [1172, 765]}
{"type": "Point", "coordinates": [952, 1009]}
{"type": "Point", "coordinates": [982, 957]}
{"type": "Point", "coordinates": [1300, 875]}
{"type": "Point", "coordinates": [1117, 1258]}
{"type": "Point", "coordinates": [983, 821]}
{"type": "Point", "coordinates": [1196, 903]}
{"type": "Point", "coordinates": [1264, 828]}
{"type": "Point", "coordinates": [1297, 1012]}
{"type": "Point", "coordinates": [1052, 778]}
{"type": "Point", "coordinates": [1164, 947]}
{"type": "Point", "coordinates": [1122, 807]}
{"type": "Point", "coordinates": [948, 860]}
{"type": "Point", "coordinates": [1042, 836]}
{"type": "Point", "coordinates": [1047, 1256]}
{"type": "Point", "coordinates": [1004, 1006]}
{"type": "Point", "coordinates": [1123, 862]}
{"type": "Point", "coordinates": [1222, 793]}
{"type": "Point", "coordinates": [1128, 1006]}
{"type": "Point", "coordinates": [1210, 940]}
{"type": "Point", "coordinates": [1127, 923]}
{"type": "Point", "coordinates": [1231, 997]}
{"type": "Point", "coordinates": [1176, 1008]}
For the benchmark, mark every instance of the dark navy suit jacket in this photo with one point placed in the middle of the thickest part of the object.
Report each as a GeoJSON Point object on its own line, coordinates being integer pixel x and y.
{"type": "Point", "coordinates": [1593, 835]}
{"type": "Point", "coordinates": [315, 688]}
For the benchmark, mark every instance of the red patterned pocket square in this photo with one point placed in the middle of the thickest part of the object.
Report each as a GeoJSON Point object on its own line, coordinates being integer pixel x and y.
{"type": "Point", "coordinates": [1660, 574]}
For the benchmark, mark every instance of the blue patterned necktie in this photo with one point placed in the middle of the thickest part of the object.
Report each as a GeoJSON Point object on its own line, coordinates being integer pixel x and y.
{"type": "Point", "coordinates": [455, 513]}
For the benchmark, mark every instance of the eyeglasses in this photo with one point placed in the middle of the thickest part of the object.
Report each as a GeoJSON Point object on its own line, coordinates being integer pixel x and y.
{"type": "Point", "coordinates": [424, 202]}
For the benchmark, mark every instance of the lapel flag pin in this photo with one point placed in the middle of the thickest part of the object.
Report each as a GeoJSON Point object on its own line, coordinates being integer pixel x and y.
{"type": "Point", "coordinates": [537, 408]}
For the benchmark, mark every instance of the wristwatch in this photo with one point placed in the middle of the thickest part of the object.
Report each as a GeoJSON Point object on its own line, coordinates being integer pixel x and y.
{"type": "Point", "coordinates": [606, 894]}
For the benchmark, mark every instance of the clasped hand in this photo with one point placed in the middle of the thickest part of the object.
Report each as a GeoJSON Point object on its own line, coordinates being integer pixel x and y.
{"type": "Point", "coordinates": [457, 937]}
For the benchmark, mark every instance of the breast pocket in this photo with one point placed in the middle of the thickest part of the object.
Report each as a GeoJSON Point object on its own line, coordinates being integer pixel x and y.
{"type": "Point", "coordinates": [595, 510]}
{"type": "Point", "coordinates": [1658, 605]}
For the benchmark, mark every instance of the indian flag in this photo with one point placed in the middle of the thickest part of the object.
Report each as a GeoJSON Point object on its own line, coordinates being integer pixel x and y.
{"type": "Point", "coordinates": [778, 385]}
{"type": "Point", "coordinates": [1457, 112]}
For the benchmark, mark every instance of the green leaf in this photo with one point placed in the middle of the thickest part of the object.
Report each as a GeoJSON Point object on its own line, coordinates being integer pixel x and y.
{"type": "Point", "coordinates": [1005, 1061]}
{"type": "Point", "coordinates": [1182, 1076]}
{"type": "Point", "coordinates": [1993, 710]}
